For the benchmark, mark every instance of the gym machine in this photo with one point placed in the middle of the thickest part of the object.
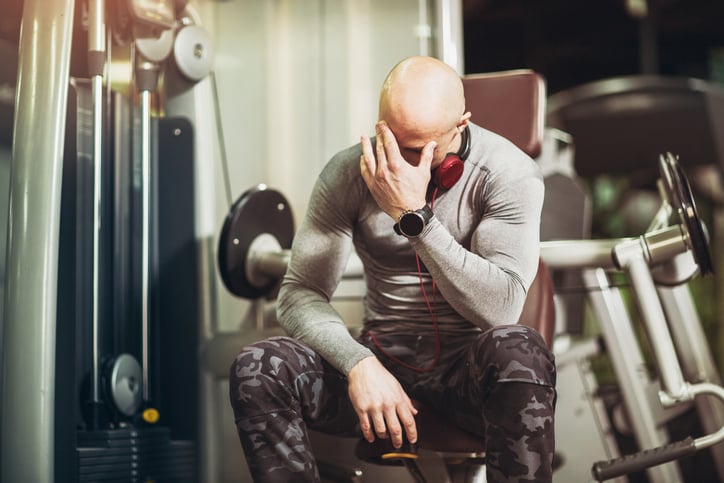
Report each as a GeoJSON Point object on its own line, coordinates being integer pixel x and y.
{"type": "Point", "coordinates": [112, 248]}
{"type": "Point", "coordinates": [644, 113]}
{"type": "Point", "coordinates": [253, 254]}
{"type": "Point", "coordinates": [129, 398]}
{"type": "Point", "coordinates": [657, 266]}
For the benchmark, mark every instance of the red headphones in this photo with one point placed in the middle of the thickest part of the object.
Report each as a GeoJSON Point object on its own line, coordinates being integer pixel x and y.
{"type": "Point", "coordinates": [451, 168]}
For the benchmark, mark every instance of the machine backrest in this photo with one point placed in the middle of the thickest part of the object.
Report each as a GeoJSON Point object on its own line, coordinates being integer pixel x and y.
{"type": "Point", "coordinates": [512, 103]}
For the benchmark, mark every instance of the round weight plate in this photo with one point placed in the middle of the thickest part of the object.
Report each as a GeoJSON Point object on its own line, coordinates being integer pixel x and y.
{"type": "Point", "coordinates": [257, 211]}
{"type": "Point", "coordinates": [682, 201]}
{"type": "Point", "coordinates": [125, 384]}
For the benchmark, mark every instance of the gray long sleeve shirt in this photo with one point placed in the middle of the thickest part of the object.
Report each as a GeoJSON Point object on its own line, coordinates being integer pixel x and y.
{"type": "Point", "coordinates": [481, 248]}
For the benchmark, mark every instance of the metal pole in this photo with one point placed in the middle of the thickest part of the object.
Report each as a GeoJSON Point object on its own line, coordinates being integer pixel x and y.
{"type": "Point", "coordinates": [423, 30]}
{"type": "Point", "coordinates": [145, 234]}
{"type": "Point", "coordinates": [449, 33]}
{"type": "Point", "coordinates": [577, 254]}
{"type": "Point", "coordinates": [96, 63]}
{"type": "Point", "coordinates": [146, 81]}
{"type": "Point", "coordinates": [28, 397]}
{"type": "Point", "coordinates": [652, 314]}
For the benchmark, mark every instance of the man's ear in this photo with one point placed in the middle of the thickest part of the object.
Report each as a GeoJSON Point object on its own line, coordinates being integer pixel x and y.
{"type": "Point", "coordinates": [464, 120]}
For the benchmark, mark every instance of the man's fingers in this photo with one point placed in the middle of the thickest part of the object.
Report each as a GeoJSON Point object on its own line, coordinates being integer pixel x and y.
{"type": "Point", "coordinates": [393, 428]}
{"type": "Point", "coordinates": [366, 427]}
{"type": "Point", "coordinates": [427, 153]}
{"type": "Point", "coordinates": [368, 154]}
{"type": "Point", "coordinates": [378, 421]}
{"type": "Point", "coordinates": [380, 146]}
{"type": "Point", "coordinates": [368, 163]}
{"type": "Point", "coordinates": [395, 424]}
{"type": "Point", "coordinates": [408, 423]}
{"type": "Point", "coordinates": [387, 147]}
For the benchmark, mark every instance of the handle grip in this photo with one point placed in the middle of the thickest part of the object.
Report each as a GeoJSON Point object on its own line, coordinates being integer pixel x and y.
{"type": "Point", "coordinates": [604, 470]}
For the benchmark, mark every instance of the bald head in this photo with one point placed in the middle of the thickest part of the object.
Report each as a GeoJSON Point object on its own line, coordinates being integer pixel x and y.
{"type": "Point", "coordinates": [422, 95]}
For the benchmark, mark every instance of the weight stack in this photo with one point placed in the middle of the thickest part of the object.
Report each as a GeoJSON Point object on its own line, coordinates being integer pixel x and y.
{"type": "Point", "coordinates": [135, 455]}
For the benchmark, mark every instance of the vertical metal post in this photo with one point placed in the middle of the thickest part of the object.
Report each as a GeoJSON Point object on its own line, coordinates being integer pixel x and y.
{"type": "Point", "coordinates": [146, 81]}
{"type": "Point", "coordinates": [652, 314]}
{"type": "Point", "coordinates": [692, 346]}
{"type": "Point", "coordinates": [424, 29]}
{"type": "Point", "coordinates": [449, 33]}
{"type": "Point", "coordinates": [145, 234]}
{"type": "Point", "coordinates": [97, 64]}
{"type": "Point", "coordinates": [28, 397]}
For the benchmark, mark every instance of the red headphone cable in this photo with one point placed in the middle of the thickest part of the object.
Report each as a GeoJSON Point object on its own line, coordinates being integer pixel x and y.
{"type": "Point", "coordinates": [432, 316]}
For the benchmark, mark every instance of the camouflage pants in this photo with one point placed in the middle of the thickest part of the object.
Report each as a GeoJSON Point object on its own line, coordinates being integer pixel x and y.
{"type": "Point", "coordinates": [500, 384]}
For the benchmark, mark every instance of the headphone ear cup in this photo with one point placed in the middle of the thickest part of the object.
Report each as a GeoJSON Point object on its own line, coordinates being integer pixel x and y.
{"type": "Point", "coordinates": [449, 171]}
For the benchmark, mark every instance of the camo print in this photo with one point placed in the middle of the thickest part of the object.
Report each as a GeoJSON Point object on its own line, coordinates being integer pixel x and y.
{"type": "Point", "coordinates": [499, 384]}
{"type": "Point", "coordinates": [277, 387]}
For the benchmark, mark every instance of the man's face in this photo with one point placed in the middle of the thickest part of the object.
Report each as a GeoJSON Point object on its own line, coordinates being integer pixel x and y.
{"type": "Point", "coordinates": [411, 144]}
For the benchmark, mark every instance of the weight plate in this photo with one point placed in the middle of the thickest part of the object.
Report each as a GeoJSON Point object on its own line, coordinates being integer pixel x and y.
{"type": "Point", "coordinates": [257, 211]}
{"type": "Point", "coordinates": [125, 384]}
{"type": "Point", "coordinates": [682, 201]}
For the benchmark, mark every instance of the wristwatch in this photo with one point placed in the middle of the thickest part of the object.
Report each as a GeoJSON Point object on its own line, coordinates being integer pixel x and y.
{"type": "Point", "coordinates": [412, 223]}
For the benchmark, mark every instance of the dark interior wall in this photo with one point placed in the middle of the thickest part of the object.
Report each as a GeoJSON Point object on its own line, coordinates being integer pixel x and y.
{"type": "Point", "coordinates": [569, 41]}
{"type": "Point", "coordinates": [573, 42]}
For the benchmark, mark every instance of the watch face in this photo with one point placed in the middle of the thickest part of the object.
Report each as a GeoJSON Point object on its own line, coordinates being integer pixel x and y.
{"type": "Point", "coordinates": [412, 224]}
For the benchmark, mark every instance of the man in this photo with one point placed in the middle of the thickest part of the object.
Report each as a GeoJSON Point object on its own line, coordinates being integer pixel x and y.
{"type": "Point", "coordinates": [447, 264]}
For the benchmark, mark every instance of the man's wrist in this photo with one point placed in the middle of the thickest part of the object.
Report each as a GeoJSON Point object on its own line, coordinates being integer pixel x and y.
{"type": "Point", "coordinates": [412, 223]}
{"type": "Point", "coordinates": [361, 362]}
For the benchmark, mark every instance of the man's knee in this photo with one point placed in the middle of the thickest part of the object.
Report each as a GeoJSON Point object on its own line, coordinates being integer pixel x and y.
{"type": "Point", "coordinates": [520, 354]}
{"type": "Point", "coordinates": [259, 375]}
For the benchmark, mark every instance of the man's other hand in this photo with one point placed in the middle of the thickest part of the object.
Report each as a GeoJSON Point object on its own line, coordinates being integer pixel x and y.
{"type": "Point", "coordinates": [382, 406]}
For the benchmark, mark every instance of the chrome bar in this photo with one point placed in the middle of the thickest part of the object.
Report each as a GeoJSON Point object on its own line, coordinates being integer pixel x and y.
{"type": "Point", "coordinates": [266, 262]}
{"type": "Point", "coordinates": [577, 254]}
{"type": "Point", "coordinates": [664, 244]}
{"type": "Point", "coordinates": [273, 265]}
{"type": "Point", "coordinates": [29, 345]}
{"type": "Point", "coordinates": [424, 29]}
{"type": "Point", "coordinates": [718, 436]}
{"type": "Point", "coordinates": [692, 347]}
{"type": "Point", "coordinates": [96, 28]}
{"type": "Point", "coordinates": [96, 61]}
{"type": "Point", "coordinates": [652, 314]}
{"type": "Point", "coordinates": [146, 79]}
{"type": "Point", "coordinates": [659, 246]}
{"type": "Point", "coordinates": [145, 234]}
{"type": "Point", "coordinates": [449, 33]}
{"type": "Point", "coordinates": [97, 89]}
